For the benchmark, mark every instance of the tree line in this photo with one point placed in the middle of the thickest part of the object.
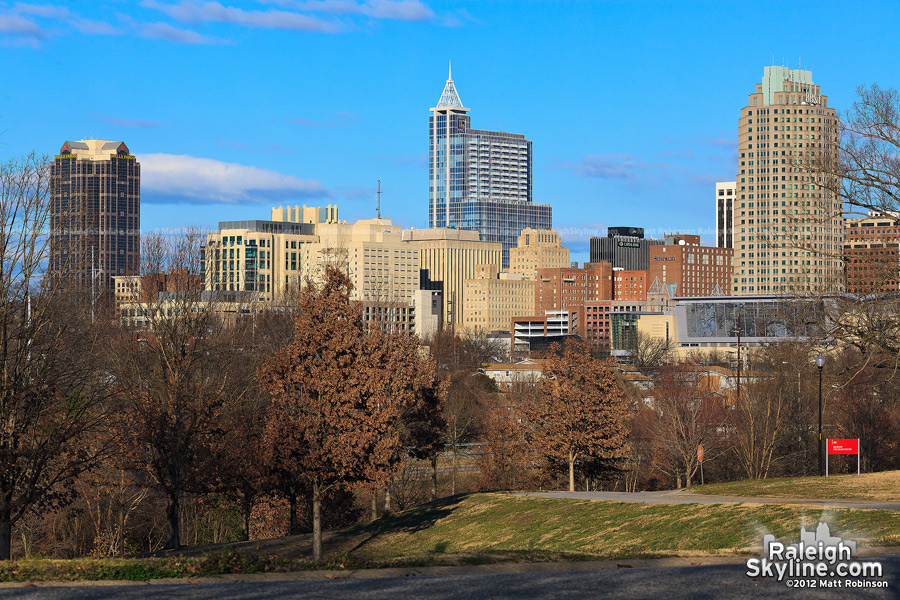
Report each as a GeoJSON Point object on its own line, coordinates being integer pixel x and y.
{"type": "Point", "coordinates": [203, 423]}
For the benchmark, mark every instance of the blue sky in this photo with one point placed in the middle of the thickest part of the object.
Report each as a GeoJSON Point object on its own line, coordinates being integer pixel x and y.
{"type": "Point", "coordinates": [233, 107]}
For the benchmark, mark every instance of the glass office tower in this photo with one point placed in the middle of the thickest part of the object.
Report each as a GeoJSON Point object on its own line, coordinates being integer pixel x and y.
{"type": "Point", "coordinates": [479, 179]}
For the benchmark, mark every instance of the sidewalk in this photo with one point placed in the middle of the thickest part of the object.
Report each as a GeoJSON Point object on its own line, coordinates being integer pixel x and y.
{"type": "Point", "coordinates": [496, 568]}
{"type": "Point", "coordinates": [686, 497]}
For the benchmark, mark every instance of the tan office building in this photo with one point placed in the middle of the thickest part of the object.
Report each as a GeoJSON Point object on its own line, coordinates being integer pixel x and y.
{"type": "Point", "coordinates": [265, 257]}
{"type": "Point", "coordinates": [493, 298]}
{"type": "Point", "coordinates": [306, 214]}
{"type": "Point", "coordinates": [274, 258]}
{"type": "Point", "coordinates": [537, 249]}
{"type": "Point", "coordinates": [788, 232]}
{"type": "Point", "coordinates": [447, 258]}
{"type": "Point", "coordinates": [383, 270]}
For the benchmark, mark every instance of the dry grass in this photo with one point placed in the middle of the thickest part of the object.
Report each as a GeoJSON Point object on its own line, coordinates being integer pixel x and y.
{"type": "Point", "coordinates": [502, 527]}
{"type": "Point", "coordinates": [486, 528]}
{"type": "Point", "coordinates": [883, 486]}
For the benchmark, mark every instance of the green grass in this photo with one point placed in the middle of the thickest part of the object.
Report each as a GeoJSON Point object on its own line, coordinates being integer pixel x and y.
{"type": "Point", "coordinates": [500, 524]}
{"type": "Point", "coordinates": [487, 528]}
{"type": "Point", "coordinates": [883, 486]}
{"type": "Point", "coordinates": [221, 561]}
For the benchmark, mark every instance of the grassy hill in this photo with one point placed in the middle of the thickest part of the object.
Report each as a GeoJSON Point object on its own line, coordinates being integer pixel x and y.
{"type": "Point", "coordinates": [485, 528]}
{"type": "Point", "coordinates": [883, 486]}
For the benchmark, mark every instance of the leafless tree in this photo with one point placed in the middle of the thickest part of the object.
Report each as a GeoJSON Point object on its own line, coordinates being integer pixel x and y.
{"type": "Point", "coordinates": [177, 373]}
{"type": "Point", "coordinates": [52, 392]}
{"type": "Point", "coordinates": [647, 350]}
{"type": "Point", "coordinates": [690, 413]}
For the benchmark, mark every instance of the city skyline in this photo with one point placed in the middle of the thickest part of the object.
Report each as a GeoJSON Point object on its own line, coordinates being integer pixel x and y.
{"type": "Point", "coordinates": [234, 108]}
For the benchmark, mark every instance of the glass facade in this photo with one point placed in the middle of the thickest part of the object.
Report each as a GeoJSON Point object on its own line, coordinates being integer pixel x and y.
{"type": "Point", "coordinates": [767, 319]}
{"type": "Point", "coordinates": [479, 179]}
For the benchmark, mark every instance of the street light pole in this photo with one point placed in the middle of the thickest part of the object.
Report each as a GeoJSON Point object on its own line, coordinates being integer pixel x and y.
{"type": "Point", "coordinates": [820, 362]}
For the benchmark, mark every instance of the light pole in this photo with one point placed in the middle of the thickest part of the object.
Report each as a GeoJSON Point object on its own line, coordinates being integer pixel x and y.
{"type": "Point", "coordinates": [820, 362]}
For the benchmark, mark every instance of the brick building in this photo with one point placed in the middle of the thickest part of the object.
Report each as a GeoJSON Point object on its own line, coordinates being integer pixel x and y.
{"type": "Point", "coordinates": [871, 254]}
{"type": "Point", "coordinates": [696, 270]}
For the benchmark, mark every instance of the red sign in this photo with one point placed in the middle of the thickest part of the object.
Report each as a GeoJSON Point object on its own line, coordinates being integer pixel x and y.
{"type": "Point", "coordinates": [843, 446]}
{"type": "Point", "coordinates": [700, 452]}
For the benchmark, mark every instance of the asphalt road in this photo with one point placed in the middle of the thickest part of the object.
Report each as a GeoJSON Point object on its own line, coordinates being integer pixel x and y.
{"type": "Point", "coordinates": [671, 583]}
{"type": "Point", "coordinates": [684, 497]}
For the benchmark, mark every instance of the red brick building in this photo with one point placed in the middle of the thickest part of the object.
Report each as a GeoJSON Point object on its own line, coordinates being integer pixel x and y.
{"type": "Point", "coordinates": [871, 259]}
{"type": "Point", "coordinates": [696, 270]}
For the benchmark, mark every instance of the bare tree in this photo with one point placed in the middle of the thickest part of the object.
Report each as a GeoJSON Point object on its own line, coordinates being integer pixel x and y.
{"type": "Point", "coordinates": [52, 393]}
{"type": "Point", "coordinates": [860, 163]}
{"type": "Point", "coordinates": [176, 375]}
{"type": "Point", "coordinates": [647, 350]}
{"type": "Point", "coordinates": [690, 413]}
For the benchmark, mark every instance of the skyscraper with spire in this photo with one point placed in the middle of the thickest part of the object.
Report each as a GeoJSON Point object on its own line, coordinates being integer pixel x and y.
{"type": "Point", "coordinates": [479, 179]}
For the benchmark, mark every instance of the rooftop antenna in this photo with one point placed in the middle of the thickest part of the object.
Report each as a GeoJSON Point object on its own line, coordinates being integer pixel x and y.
{"type": "Point", "coordinates": [378, 195]}
{"type": "Point", "coordinates": [449, 69]}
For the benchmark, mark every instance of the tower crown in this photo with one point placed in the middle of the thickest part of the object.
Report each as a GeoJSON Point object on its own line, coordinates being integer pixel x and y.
{"type": "Point", "coordinates": [449, 97]}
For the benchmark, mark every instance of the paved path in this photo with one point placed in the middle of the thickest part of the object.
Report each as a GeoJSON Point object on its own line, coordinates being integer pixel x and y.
{"type": "Point", "coordinates": [685, 497]}
{"type": "Point", "coordinates": [709, 582]}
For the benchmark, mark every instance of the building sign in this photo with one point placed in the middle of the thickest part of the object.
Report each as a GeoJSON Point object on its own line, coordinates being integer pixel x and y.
{"type": "Point", "coordinates": [843, 446]}
{"type": "Point", "coordinates": [629, 244]}
{"type": "Point", "coordinates": [846, 446]}
{"type": "Point", "coordinates": [663, 258]}
{"type": "Point", "coordinates": [811, 98]}
{"type": "Point", "coordinates": [61, 156]}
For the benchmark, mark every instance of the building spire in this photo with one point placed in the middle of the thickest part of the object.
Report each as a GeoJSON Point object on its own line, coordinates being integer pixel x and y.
{"type": "Point", "coordinates": [450, 97]}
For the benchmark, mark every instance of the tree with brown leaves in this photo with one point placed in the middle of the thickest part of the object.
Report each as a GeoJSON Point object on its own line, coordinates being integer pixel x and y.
{"type": "Point", "coordinates": [338, 394]}
{"type": "Point", "coordinates": [580, 413]}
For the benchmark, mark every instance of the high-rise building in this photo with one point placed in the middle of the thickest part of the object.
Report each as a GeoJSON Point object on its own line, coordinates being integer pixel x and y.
{"type": "Point", "coordinates": [788, 230]}
{"type": "Point", "coordinates": [95, 213]}
{"type": "Point", "coordinates": [695, 270]}
{"type": "Point", "coordinates": [725, 191]}
{"type": "Point", "coordinates": [383, 270]}
{"type": "Point", "coordinates": [448, 257]}
{"type": "Point", "coordinates": [479, 179]}
{"type": "Point", "coordinates": [624, 248]}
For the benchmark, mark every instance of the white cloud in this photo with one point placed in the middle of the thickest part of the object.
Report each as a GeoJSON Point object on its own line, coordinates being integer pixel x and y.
{"type": "Point", "coordinates": [181, 178]}
{"type": "Point", "coordinates": [62, 14]}
{"type": "Point", "coordinates": [164, 31]}
{"type": "Point", "coordinates": [14, 24]}
{"type": "Point", "coordinates": [404, 10]}
{"type": "Point", "coordinates": [213, 12]}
